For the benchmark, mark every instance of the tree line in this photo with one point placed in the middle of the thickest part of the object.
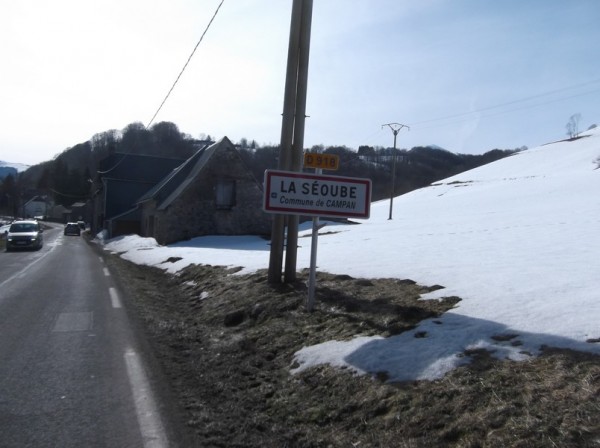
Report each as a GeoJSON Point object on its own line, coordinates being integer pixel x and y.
{"type": "Point", "coordinates": [415, 168]}
{"type": "Point", "coordinates": [68, 177]}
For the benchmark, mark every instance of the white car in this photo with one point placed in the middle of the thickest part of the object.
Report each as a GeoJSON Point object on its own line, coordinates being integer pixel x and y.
{"type": "Point", "coordinates": [24, 235]}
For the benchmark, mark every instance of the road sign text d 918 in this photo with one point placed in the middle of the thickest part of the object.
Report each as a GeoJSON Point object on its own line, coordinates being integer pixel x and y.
{"type": "Point", "coordinates": [323, 161]}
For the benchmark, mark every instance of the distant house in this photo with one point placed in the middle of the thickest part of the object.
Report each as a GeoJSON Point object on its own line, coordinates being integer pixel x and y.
{"type": "Point", "coordinates": [122, 179]}
{"type": "Point", "coordinates": [59, 213]}
{"type": "Point", "coordinates": [80, 211]}
{"type": "Point", "coordinates": [37, 206]}
{"type": "Point", "coordinates": [211, 193]}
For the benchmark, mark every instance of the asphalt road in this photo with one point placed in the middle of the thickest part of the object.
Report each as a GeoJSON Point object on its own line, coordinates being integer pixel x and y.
{"type": "Point", "coordinates": [71, 371]}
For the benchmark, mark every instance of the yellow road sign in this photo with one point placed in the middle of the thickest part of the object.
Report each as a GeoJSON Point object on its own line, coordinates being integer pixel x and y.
{"type": "Point", "coordinates": [323, 161]}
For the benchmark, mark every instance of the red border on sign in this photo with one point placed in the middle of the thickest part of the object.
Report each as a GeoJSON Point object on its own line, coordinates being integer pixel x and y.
{"type": "Point", "coordinates": [308, 212]}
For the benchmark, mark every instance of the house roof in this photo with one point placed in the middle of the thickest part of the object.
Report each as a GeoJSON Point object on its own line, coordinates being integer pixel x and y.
{"type": "Point", "coordinates": [165, 192]}
{"type": "Point", "coordinates": [37, 199]}
{"type": "Point", "coordinates": [133, 214]}
{"type": "Point", "coordinates": [136, 167]}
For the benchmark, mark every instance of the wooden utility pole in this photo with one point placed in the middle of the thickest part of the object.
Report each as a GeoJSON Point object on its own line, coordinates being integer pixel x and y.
{"type": "Point", "coordinates": [292, 135]}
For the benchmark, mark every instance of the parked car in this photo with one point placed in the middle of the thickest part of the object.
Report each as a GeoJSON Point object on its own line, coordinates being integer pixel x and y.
{"type": "Point", "coordinates": [72, 228]}
{"type": "Point", "coordinates": [81, 225]}
{"type": "Point", "coordinates": [26, 234]}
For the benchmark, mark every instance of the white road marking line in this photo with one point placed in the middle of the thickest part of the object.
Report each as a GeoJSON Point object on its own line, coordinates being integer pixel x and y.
{"type": "Point", "coordinates": [151, 427]}
{"type": "Point", "coordinates": [114, 298]}
{"type": "Point", "coordinates": [106, 273]}
{"type": "Point", "coordinates": [21, 273]}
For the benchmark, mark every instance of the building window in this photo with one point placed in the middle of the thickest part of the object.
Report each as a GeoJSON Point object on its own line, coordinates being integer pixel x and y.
{"type": "Point", "coordinates": [151, 226]}
{"type": "Point", "coordinates": [225, 194]}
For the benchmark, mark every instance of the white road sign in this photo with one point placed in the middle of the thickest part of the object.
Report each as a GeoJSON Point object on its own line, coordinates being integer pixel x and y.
{"type": "Point", "coordinates": [295, 193]}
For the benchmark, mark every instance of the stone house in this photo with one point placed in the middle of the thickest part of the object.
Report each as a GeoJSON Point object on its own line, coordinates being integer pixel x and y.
{"type": "Point", "coordinates": [211, 193]}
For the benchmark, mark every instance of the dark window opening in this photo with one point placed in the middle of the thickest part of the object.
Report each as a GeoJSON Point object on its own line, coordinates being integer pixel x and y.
{"type": "Point", "coordinates": [225, 194]}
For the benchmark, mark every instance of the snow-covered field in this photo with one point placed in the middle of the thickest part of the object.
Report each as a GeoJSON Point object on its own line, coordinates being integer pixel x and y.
{"type": "Point", "coordinates": [518, 240]}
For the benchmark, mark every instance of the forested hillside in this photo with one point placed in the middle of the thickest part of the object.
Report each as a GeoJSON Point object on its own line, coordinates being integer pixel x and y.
{"type": "Point", "coordinates": [67, 177]}
{"type": "Point", "coordinates": [415, 168]}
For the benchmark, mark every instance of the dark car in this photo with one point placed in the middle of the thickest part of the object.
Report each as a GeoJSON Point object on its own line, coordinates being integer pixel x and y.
{"type": "Point", "coordinates": [72, 228]}
{"type": "Point", "coordinates": [24, 235]}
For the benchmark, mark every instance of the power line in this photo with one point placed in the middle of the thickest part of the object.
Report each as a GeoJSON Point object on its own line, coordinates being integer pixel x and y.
{"type": "Point", "coordinates": [67, 195]}
{"type": "Point", "coordinates": [461, 118]}
{"type": "Point", "coordinates": [186, 64]}
{"type": "Point", "coordinates": [171, 89]}
{"type": "Point", "coordinates": [522, 100]}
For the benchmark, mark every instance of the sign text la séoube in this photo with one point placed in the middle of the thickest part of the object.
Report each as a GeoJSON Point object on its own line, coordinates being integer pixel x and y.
{"type": "Point", "coordinates": [316, 195]}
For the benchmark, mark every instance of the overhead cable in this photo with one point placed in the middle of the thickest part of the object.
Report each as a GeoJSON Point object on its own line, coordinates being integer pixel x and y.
{"type": "Point", "coordinates": [509, 103]}
{"type": "Point", "coordinates": [186, 64]}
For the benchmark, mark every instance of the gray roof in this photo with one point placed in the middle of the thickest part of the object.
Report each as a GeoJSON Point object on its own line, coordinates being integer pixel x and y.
{"type": "Point", "coordinates": [129, 176]}
{"type": "Point", "coordinates": [166, 191]}
{"type": "Point", "coordinates": [137, 167]}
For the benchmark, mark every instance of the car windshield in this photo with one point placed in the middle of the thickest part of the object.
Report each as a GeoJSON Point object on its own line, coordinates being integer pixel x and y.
{"type": "Point", "coordinates": [23, 227]}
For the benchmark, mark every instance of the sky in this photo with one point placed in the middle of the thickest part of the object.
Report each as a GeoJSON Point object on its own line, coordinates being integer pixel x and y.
{"type": "Point", "coordinates": [516, 240]}
{"type": "Point", "coordinates": [465, 75]}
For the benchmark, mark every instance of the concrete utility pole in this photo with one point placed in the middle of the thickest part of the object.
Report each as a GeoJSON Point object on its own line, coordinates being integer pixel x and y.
{"type": "Point", "coordinates": [292, 135]}
{"type": "Point", "coordinates": [395, 127]}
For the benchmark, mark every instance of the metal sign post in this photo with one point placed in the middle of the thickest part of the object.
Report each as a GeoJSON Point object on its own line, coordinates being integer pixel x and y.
{"type": "Point", "coordinates": [316, 195]}
{"type": "Point", "coordinates": [312, 276]}
{"type": "Point", "coordinates": [318, 162]}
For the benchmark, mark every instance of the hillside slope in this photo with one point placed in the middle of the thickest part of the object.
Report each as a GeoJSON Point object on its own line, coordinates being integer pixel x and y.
{"type": "Point", "coordinates": [514, 240]}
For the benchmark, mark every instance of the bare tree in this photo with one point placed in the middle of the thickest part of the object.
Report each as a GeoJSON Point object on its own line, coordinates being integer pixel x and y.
{"type": "Point", "coordinates": [573, 125]}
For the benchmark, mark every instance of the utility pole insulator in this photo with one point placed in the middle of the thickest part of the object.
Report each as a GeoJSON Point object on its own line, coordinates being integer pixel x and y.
{"type": "Point", "coordinates": [395, 127]}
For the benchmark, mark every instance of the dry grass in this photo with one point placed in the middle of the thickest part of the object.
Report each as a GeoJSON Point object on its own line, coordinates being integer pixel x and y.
{"type": "Point", "coordinates": [226, 343]}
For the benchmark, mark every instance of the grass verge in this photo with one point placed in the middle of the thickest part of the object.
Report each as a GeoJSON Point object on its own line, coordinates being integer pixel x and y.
{"type": "Point", "coordinates": [226, 344]}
